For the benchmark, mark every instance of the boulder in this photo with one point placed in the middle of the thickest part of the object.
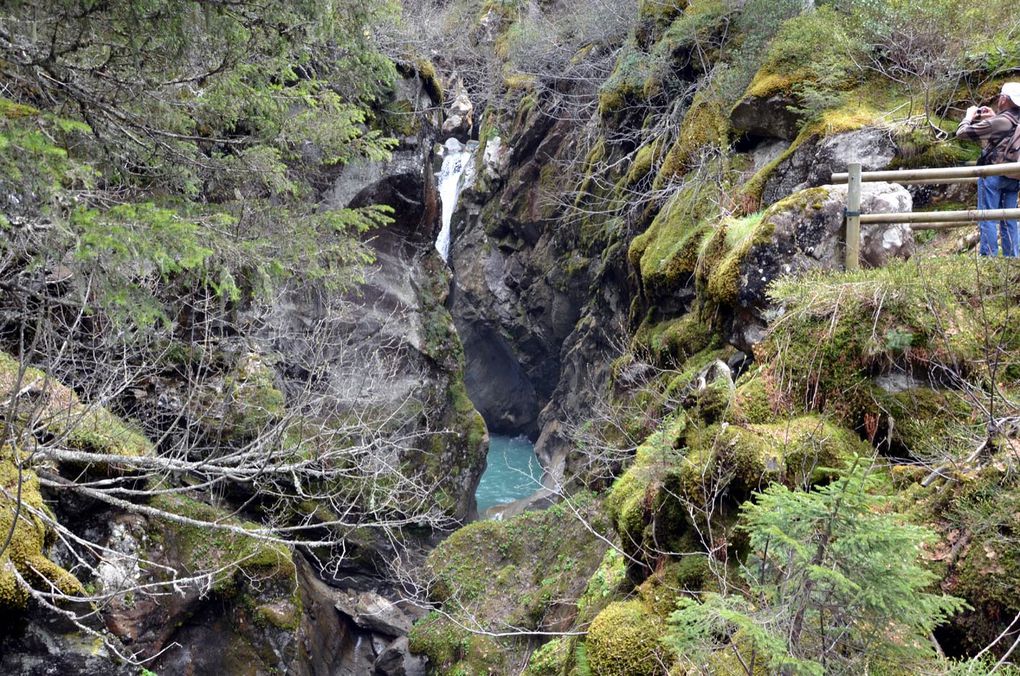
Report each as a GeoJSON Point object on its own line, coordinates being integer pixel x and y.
{"type": "Point", "coordinates": [396, 660]}
{"type": "Point", "coordinates": [459, 121]}
{"type": "Point", "coordinates": [807, 233]}
{"type": "Point", "coordinates": [801, 233]}
{"type": "Point", "coordinates": [769, 116]}
{"type": "Point", "coordinates": [814, 161]}
{"type": "Point", "coordinates": [374, 612]}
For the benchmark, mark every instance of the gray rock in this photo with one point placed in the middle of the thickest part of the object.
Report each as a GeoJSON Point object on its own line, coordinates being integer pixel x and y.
{"type": "Point", "coordinates": [372, 611]}
{"type": "Point", "coordinates": [514, 302]}
{"type": "Point", "coordinates": [897, 381]}
{"type": "Point", "coordinates": [459, 122]}
{"type": "Point", "coordinates": [814, 162]}
{"type": "Point", "coordinates": [807, 234]}
{"type": "Point", "coordinates": [396, 660]}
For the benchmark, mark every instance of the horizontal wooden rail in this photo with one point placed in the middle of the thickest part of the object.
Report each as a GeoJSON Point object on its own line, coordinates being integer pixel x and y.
{"type": "Point", "coordinates": [970, 215]}
{"type": "Point", "coordinates": [940, 226]}
{"type": "Point", "coordinates": [902, 175]}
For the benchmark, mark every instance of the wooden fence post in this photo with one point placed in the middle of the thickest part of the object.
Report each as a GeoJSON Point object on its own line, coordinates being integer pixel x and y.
{"type": "Point", "coordinates": [853, 217]}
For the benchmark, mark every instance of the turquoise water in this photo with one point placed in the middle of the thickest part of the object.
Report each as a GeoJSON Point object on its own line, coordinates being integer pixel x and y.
{"type": "Point", "coordinates": [513, 472]}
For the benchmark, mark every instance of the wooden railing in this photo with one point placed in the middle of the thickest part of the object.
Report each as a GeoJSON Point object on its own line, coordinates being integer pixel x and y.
{"type": "Point", "coordinates": [854, 178]}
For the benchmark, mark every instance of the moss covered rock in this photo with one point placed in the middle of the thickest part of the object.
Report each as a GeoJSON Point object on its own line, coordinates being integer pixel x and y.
{"type": "Point", "coordinates": [933, 322]}
{"type": "Point", "coordinates": [48, 407]}
{"type": "Point", "coordinates": [525, 573]}
{"type": "Point", "coordinates": [26, 555]}
{"type": "Point", "coordinates": [810, 57]}
{"type": "Point", "coordinates": [796, 452]}
{"type": "Point", "coordinates": [45, 409]}
{"type": "Point", "coordinates": [666, 254]}
{"type": "Point", "coordinates": [623, 640]}
{"type": "Point", "coordinates": [241, 404]}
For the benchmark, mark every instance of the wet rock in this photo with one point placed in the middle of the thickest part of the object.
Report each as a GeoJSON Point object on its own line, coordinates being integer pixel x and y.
{"type": "Point", "coordinates": [396, 660]}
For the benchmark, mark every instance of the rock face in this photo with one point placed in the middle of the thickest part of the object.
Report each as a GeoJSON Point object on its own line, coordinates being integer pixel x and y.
{"type": "Point", "coordinates": [766, 116]}
{"type": "Point", "coordinates": [813, 162]}
{"type": "Point", "coordinates": [514, 301]}
{"type": "Point", "coordinates": [391, 345]}
{"type": "Point", "coordinates": [806, 232]}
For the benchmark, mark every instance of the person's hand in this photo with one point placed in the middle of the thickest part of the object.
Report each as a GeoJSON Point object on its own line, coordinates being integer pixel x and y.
{"type": "Point", "coordinates": [971, 112]}
{"type": "Point", "coordinates": [983, 113]}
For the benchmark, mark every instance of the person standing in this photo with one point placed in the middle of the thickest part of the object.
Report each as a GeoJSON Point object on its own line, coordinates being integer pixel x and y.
{"type": "Point", "coordinates": [994, 128]}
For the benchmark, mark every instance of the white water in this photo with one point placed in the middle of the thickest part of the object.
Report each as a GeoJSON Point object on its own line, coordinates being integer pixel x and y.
{"type": "Point", "coordinates": [456, 172]}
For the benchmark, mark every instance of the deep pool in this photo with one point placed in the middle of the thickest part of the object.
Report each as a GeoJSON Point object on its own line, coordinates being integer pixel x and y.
{"type": "Point", "coordinates": [513, 472]}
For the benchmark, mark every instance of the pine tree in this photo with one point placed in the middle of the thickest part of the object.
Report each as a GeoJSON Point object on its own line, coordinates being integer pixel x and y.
{"type": "Point", "coordinates": [833, 584]}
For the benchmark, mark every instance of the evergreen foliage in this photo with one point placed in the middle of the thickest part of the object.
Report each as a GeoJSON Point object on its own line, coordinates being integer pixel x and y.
{"type": "Point", "coordinates": [834, 584]}
{"type": "Point", "coordinates": [191, 137]}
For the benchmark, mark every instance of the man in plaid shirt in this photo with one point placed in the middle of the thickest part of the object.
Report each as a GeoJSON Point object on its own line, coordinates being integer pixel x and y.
{"type": "Point", "coordinates": [994, 130]}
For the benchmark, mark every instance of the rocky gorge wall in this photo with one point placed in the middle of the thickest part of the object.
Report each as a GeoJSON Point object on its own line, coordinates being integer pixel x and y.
{"type": "Point", "coordinates": [673, 257]}
{"type": "Point", "coordinates": [386, 349]}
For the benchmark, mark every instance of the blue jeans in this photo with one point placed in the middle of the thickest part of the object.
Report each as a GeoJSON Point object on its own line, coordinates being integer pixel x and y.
{"type": "Point", "coordinates": [998, 192]}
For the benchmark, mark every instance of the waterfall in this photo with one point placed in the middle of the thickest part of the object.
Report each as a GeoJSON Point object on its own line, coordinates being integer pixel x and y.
{"type": "Point", "coordinates": [456, 172]}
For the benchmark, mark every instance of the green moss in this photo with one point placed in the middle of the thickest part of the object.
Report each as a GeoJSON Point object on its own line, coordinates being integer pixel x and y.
{"type": "Point", "coordinates": [682, 380]}
{"type": "Point", "coordinates": [642, 164]}
{"type": "Point", "coordinates": [927, 424]}
{"type": "Point", "coordinates": [624, 641]}
{"type": "Point", "coordinates": [812, 49]}
{"type": "Point", "coordinates": [666, 254]}
{"type": "Point", "coordinates": [751, 402]}
{"type": "Point", "coordinates": [918, 148]}
{"type": "Point", "coordinates": [603, 586]}
{"type": "Point", "coordinates": [705, 124]}
{"type": "Point", "coordinates": [525, 571]}
{"type": "Point", "coordinates": [931, 316]}
{"type": "Point", "coordinates": [400, 119]}
{"type": "Point", "coordinates": [660, 11]}
{"type": "Point", "coordinates": [625, 85]}
{"type": "Point", "coordinates": [30, 540]}
{"type": "Point", "coordinates": [285, 616]}
{"type": "Point", "coordinates": [977, 555]}
{"type": "Point", "coordinates": [673, 342]}
{"type": "Point", "coordinates": [634, 502]}
{"type": "Point", "coordinates": [231, 554]}
{"type": "Point", "coordinates": [551, 659]}
{"type": "Point", "coordinates": [471, 420]}
{"type": "Point", "coordinates": [730, 244]}
{"type": "Point", "coordinates": [430, 80]}
{"type": "Point", "coordinates": [59, 412]}
{"type": "Point", "coordinates": [246, 404]}
{"type": "Point", "coordinates": [690, 45]}
{"type": "Point", "coordinates": [795, 452]}
{"type": "Point", "coordinates": [13, 111]}
{"type": "Point", "coordinates": [723, 254]}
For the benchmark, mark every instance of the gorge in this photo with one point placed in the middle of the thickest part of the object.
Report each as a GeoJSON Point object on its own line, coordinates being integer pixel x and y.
{"type": "Point", "coordinates": [500, 337]}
